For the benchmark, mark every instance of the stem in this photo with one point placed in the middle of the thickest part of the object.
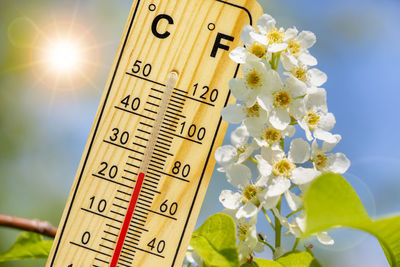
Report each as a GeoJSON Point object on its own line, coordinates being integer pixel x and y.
{"type": "Point", "coordinates": [294, 212]}
{"type": "Point", "coordinates": [253, 160]}
{"type": "Point", "coordinates": [40, 227]}
{"type": "Point", "coordinates": [278, 226]}
{"type": "Point", "coordinates": [268, 219]}
{"type": "Point", "coordinates": [269, 245]}
{"type": "Point", "coordinates": [282, 144]}
{"type": "Point", "coordinates": [274, 62]}
{"type": "Point", "coordinates": [295, 244]}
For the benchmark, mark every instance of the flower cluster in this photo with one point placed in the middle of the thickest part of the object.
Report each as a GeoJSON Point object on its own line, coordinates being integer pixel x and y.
{"type": "Point", "coordinates": [274, 101]}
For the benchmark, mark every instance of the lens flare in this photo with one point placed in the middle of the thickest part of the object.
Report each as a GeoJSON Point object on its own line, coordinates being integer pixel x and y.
{"type": "Point", "coordinates": [63, 56]}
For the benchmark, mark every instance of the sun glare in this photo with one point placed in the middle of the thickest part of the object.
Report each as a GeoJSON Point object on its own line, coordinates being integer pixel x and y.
{"type": "Point", "coordinates": [64, 56]}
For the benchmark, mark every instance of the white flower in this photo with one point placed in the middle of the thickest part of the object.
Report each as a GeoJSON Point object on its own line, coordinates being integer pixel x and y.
{"type": "Point", "coordinates": [269, 34]}
{"type": "Point", "coordinates": [334, 162]}
{"type": "Point", "coordinates": [250, 195]}
{"type": "Point", "coordinates": [298, 45]}
{"type": "Point", "coordinates": [270, 136]}
{"type": "Point", "coordinates": [282, 102]}
{"type": "Point", "coordinates": [237, 113]}
{"type": "Point", "coordinates": [317, 120]}
{"type": "Point", "coordinates": [256, 77]}
{"type": "Point", "coordinates": [284, 169]}
{"type": "Point", "coordinates": [302, 73]}
{"type": "Point", "coordinates": [252, 47]}
{"type": "Point", "coordinates": [247, 235]}
{"type": "Point", "coordinates": [238, 152]}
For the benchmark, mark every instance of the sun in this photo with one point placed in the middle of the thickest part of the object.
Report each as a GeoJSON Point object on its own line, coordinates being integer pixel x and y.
{"type": "Point", "coordinates": [64, 56]}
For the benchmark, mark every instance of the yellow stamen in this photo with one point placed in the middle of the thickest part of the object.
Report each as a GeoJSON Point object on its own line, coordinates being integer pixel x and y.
{"type": "Point", "coordinates": [275, 35]}
{"type": "Point", "coordinates": [283, 168]}
{"type": "Point", "coordinates": [257, 49]}
{"type": "Point", "coordinates": [320, 160]}
{"type": "Point", "coordinates": [282, 98]}
{"type": "Point", "coordinates": [300, 74]}
{"type": "Point", "coordinates": [272, 135]}
{"type": "Point", "coordinates": [294, 47]}
{"type": "Point", "coordinates": [253, 111]}
{"type": "Point", "coordinates": [312, 120]}
{"type": "Point", "coordinates": [253, 79]}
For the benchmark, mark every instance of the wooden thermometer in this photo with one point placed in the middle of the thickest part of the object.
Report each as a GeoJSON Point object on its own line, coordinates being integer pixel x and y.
{"type": "Point", "coordinates": [149, 157]}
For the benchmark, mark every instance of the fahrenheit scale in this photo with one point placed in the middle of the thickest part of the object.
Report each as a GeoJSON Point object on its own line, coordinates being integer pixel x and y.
{"type": "Point", "coordinates": [149, 157]}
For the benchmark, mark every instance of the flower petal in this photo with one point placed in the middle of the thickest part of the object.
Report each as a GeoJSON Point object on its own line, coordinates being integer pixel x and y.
{"type": "Point", "coordinates": [324, 135]}
{"type": "Point", "coordinates": [240, 136]}
{"type": "Point", "coordinates": [325, 239]}
{"type": "Point", "coordinates": [225, 155]}
{"type": "Point", "coordinates": [306, 129]}
{"type": "Point", "coordinates": [245, 35]}
{"type": "Point", "coordinates": [238, 175]}
{"type": "Point", "coordinates": [289, 62]}
{"type": "Point", "coordinates": [295, 86]}
{"type": "Point", "coordinates": [270, 155]}
{"type": "Point", "coordinates": [316, 99]}
{"type": "Point", "coordinates": [230, 200]}
{"type": "Point", "coordinates": [307, 59]}
{"type": "Point", "coordinates": [301, 221]}
{"type": "Point", "coordinates": [302, 175]}
{"type": "Point", "coordinates": [326, 147]}
{"type": "Point", "coordinates": [247, 210]}
{"type": "Point", "coordinates": [239, 55]}
{"type": "Point", "coordinates": [233, 113]}
{"type": "Point", "coordinates": [270, 202]}
{"type": "Point", "coordinates": [274, 81]}
{"type": "Point", "coordinates": [238, 89]}
{"type": "Point", "coordinates": [254, 126]}
{"type": "Point", "coordinates": [279, 186]}
{"type": "Point", "coordinates": [294, 201]}
{"type": "Point", "coordinates": [265, 23]}
{"type": "Point", "coordinates": [264, 168]}
{"type": "Point", "coordinates": [297, 109]}
{"type": "Point", "coordinates": [338, 163]}
{"type": "Point", "coordinates": [291, 33]}
{"type": "Point", "coordinates": [299, 151]}
{"type": "Point", "coordinates": [265, 101]}
{"type": "Point", "coordinates": [273, 48]}
{"type": "Point", "coordinates": [316, 77]}
{"type": "Point", "coordinates": [307, 39]}
{"type": "Point", "coordinates": [260, 38]}
{"type": "Point", "coordinates": [279, 118]}
{"type": "Point", "coordinates": [327, 121]}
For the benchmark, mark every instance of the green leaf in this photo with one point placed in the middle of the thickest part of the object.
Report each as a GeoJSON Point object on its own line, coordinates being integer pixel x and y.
{"type": "Point", "coordinates": [215, 241]}
{"type": "Point", "coordinates": [298, 259]}
{"type": "Point", "coordinates": [251, 264]}
{"type": "Point", "coordinates": [292, 259]}
{"type": "Point", "coordinates": [330, 202]}
{"type": "Point", "coordinates": [267, 263]}
{"type": "Point", "coordinates": [27, 246]}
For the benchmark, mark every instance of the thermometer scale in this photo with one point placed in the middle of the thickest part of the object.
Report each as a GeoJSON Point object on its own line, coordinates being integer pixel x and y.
{"type": "Point", "coordinates": [149, 156]}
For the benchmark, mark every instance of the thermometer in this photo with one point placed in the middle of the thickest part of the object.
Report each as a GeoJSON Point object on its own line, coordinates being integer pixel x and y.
{"type": "Point", "coordinates": [149, 157]}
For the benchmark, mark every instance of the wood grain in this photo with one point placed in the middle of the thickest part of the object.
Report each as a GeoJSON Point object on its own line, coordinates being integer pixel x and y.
{"type": "Point", "coordinates": [97, 205]}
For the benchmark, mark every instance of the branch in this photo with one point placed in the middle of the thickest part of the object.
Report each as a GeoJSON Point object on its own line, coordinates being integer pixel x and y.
{"type": "Point", "coordinates": [43, 228]}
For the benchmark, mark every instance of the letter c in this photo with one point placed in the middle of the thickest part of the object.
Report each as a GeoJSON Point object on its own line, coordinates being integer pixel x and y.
{"type": "Point", "coordinates": [155, 24]}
